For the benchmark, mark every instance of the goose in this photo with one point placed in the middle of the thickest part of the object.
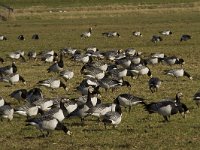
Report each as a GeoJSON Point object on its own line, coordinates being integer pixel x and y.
{"type": "Point", "coordinates": [154, 84]}
{"type": "Point", "coordinates": [67, 74]}
{"type": "Point", "coordinates": [136, 59]}
{"type": "Point", "coordinates": [47, 123]}
{"type": "Point", "coordinates": [56, 113]}
{"type": "Point", "coordinates": [153, 60]}
{"type": "Point", "coordinates": [124, 62]}
{"type": "Point", "coordinates": [130, 52]}
{"type": "Point", "coordinates": [57, 66]}
{"type": "Point", "coordinates": [92, 72]}
{"type": "Point", "coordinates": [6, 111]}
{"type": "Point", "coordinates": [173, 60]}
{"type": "Point", "coordinates": [156, 38]}
{"type": "Point", "coordinates": [118, 72]}
{"type": "Point", "coordinates": [68, 51]}
{"type": "Point", "coordinates": [138, 70]}
{"type": "Point", "coordinates": [28, 110]}
{"type": "Point", "coordinates": [167, 107]}
{"type": "Point", "coordinates": [87, 34]}
{"type": "Point", "coordinates": [166, 32]}
{"type": "Point", "coordinates": [13, 78]}
{"type": "Point", "coordinates": [32, 55]}
{"type": "Point", "coordinates": [34, 94]}
{"type": "Point", "coordinates": [35, 37]}
{"type": "Point", "coordinates": [3, 38]}
{"type": "Point", "coordinates": [48, 56]}
{"type": "Point", "coordinates": [128, 100]}
{"type": "Point", "coordinates": [137, 33]}
{"type": "Point", "coordinates": [112, 117]}
{"type": "Point", "coordinates": [158, 55]}
{"type": "Point", "coordinates": [2, 102]}
{"type": "Point", "coordinates": [52, 83]}
{"type": "Point", "coordinates": [178, 73]}
{"type": "Point", "coordinates": [44, 104]}
{"type": "Point", "coordinates": [110, 55]}
{"type": "Point", "coordinates": [68, 107]}
{"type": "Point", "coordinates": [196, 98]}
{"type": "Point", "coordinates": [100, 65]}
{"type": "Point", "coordinates": [17, 55]}
{"type": "Point", "coordinates": [185, 37]}
{"type": "Point", "coordinates": [111, 34]}
{"type": "Point", "coordinates": [19, 95]}
{"type": "Point", "coordinates": [10, 69]}
{"type": "Point", "coordinates": [21, 37]}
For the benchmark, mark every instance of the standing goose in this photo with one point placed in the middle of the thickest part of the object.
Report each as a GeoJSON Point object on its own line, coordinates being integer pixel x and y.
{"type": "Point", "coordinates": [56, 113]}
{"type": "Point", "coordinates": [111, 34]}
{"type": "Point", "coordinates": [52, 83]}
{"type": "Point", "coordinates": [178, 73]}
{"type": "Point", "coordinates": [167, 107]}
{"type": "Point", "coordinates": [196, 97]}
{"type": "Point", "coordinates": [113, 117]}
{"type": "Point", "coordinates": [87, 34]}
{"type": "Point", "coordinates": [57, 66]}
{"type": "Point", "coordinates": [128, 100]}
{"type": "Point", "coordinates": [47, 123]}
{"type": "Point", "coordinates": [13, 78]}
{"type": "Point", "coordinates": [154, 84]}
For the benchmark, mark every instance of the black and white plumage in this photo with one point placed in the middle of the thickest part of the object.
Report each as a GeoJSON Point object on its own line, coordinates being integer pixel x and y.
{"type": "Point", "coordinates": [67, 74]}
{"type": "Point", "coordinates": [52, 83]}
{"type": "Point", "coordinates": [19, 95]}
{"type": "Point", "coordinates": [185, 37]}
{"type": "Point", "coordinates": [118, 72]}
{"type": "Point", "coordinates": [68, 106]}
{"type": "Point", "coordinates": [32, 55]}
{"type": "Point", "coordinates": [6, 111]}
{"type": "Point", "coordinates": [111, 34]}
{"type": "Point", "coordinates": [167, 107]}
{"type": "Point", "coordinates": [56, 113]}
{"type": "Point", "coordinates": [92, 72]}
{"type": "Point", "coordinates": [137, 33]}
{"type": "Point", "coordinates": [156, 38]}
{"type": "Point", "coordinates": [10, 69]}
{"type": "Point", "coordinates": [44, 104]}
{"type": "Point", "coordinates": [17, 55]}
{"type": "Point", "coordinates": [47, 123]}
{"type": "Point", "coordinates": [178, 73]}
{"type": "Point", "coordinates": [154, 84]}
{"type": "Point", "coordinates": [35, 37]}
{"type": "Point", "coordinates": [57, 66]}
{"type": "Point", "coordinates": [21, 37]}
{"type": "Point", "coordinates": [12, 78]}
{"type": "Point", "coordinates": [49, 56]}
{"type": "Point", "coordinates": [87, 34]}
{"type": "Point", "coordinates": [166, 32]}
{"type": "Point", "coordinates": [33, 95]}
{"type": "Point", "coordinates": [128, 100]}
{"type": "Point", "coordinates": [173, 60]}
{"type": "Point", "coordinates": [3, 38]}
{"type": "Point", "coordinates": [196, 98]}
{"type": "Point", "coordinates": [138, 70]}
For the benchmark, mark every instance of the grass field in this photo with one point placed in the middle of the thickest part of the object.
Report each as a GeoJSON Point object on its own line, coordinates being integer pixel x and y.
{"type": "Point", "coordinates": [58, 30]}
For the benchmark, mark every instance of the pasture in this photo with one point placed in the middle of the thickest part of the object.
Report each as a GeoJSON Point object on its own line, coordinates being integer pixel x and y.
{"type": "Point", "coordinates": [58, 30]}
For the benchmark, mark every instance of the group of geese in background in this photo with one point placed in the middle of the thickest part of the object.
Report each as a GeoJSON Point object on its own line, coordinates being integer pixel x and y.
{"type": "Point", "coordinates": [101, 70]}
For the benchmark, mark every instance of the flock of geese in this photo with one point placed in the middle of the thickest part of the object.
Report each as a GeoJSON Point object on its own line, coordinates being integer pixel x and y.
{"type": "Point", "coordinates": [102, 71]}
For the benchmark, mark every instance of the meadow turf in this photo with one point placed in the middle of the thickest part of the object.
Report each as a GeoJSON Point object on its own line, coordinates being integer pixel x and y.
{"type": "Point", "coordinates": [58, 30]}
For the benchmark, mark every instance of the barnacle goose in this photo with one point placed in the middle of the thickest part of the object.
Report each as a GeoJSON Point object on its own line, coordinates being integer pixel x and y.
{"type": "Point", "coordinates": [34, 94]}
{"type": "Point", "coordinates": [19, 95]}
{"type": "Point", "coordinates": [128, 100]}
{"type": "Point", "coordinates": [87, 34]}
{"type": "Point", "coordinates": [13, 78]}
{"type": "Point", "coordinates": [137, 33]}
{"type": "Point", "coordinates": [196, 97]}
{"type": "Point", "coordinates": [35, 37]}
{"type": "Point", "coordinates": [67, 74]}
{"type": "Point", "coordinates": [185, 37]}
{"type": "Point", "coordinates": [52, 83]}
{"type": "Point", "coordinates": [111, 34]}
{"type": "Point", "coordinates": [173, 60]}
{"type": "Point", "coordinates": [17, 55]}
{"type": "Point", "coordinates": [166, 32]}
{"type": "Point", "coordinates": [3, 38]}
{"type": "Point", "coordinates": [44, 104]}
{"type": "Point", "coordinates": [47, 123]}
{"type": "Point", "coordinates": [178, 73]}
{"type": "Point", "coordinates": [2, 102]}
{"type": "Point", "coordinates": [154, 84]}
{"type": "Point", "coordinates": [6, 111]}
{"type": "Point", "coordinates": [140, 69]}
{"type": "Point", "coordinates": [156, 38]}
{"type": "Point", "coordinates": [168, 107]}
{"type": "Point", "coordinates": [21, 37]}
{"type": "Point", "coordinates": [10, 69]}
{"type": "Point", "coordinates": [57, 66]}
{"type": "Point", "coordinates": [48, 56]}
{"type": "Point", "coordinates": [32, 55]}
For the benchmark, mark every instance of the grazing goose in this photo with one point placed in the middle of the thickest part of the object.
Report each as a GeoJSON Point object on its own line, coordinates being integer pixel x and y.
{"type": "Point", "coordinates": [87, 34]}
{"type": "Point", "coordinates": [173, 60]}
{"type": "Point", "coordinates": [57, 66]}
{"type": "Point", "coordinates": [185, 37]}
{"type": "Point", "coordinates": [13, 78]}
{"type": "Point", "coordinates": [21, 37]}
{"type": "Point", "coordinates": [44, 104]}
{"type": "Point", "coordinates": [111, 34]}
{"type": "Point", "coordinates": [32, 55]}
{"type": "Point", "coordinates": [128, 100]}
{"type": "Point", "coordinates": [178, 73]}
{"type": "Point", "coordinates": [137, 70]}
{"type": "Point", "coordinates": [66, 74]}
{"type": "Point", "coordinates": [118, 72]}
{"type": "Point", "coordinates": [68, 107]}
{"type": "Point", "coordinates": [196, 97]}
{"type": "Point", "coordinates": [34, 94]}
{"type": "Point", "coordinates": [28, 110]}
{"type": "Point", "coordinates": [137, 33]}
{"type": "Point", "coordinates": [56, 113]}
{"type": "Point", "coordinates": [47, 123]}
{"type": "Point", "coordinates": [10, 69]}
{"type": "Point", "coordinates": [113, 117]}
{"type": "Point", "coordinates": [3, 38]}
{"type": "Point", "coordinates": [6, 111]}
{"type": "Point", "coordinates": [166, 32]}
{"type": "Point", "coordinates": [19, 95]}
{"type": "Point", "coordinates": [111, 55]}
{"type": "Point", "coordinates": [93, 72]}
{"type": "Point", "coordinates": [100, 65]}
{"type": "Point", "coordinates": [17, 55]}
{"type": "Point", "coordinates": [154, 84]}
{"type": "Point", "coordinates": [35, 37]}
{"type": "Point", "coordinates": [167, 107]}
{"type": "Point", "coordinates": [52, 83]}
{"type": "Point", "coordinates": [48, 56]}
{"type": "Point", "coordinates": [156, 38]}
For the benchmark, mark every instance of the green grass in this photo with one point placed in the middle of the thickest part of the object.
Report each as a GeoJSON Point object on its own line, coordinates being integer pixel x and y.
{"type": "Point", "coordinates": [58, 30]}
